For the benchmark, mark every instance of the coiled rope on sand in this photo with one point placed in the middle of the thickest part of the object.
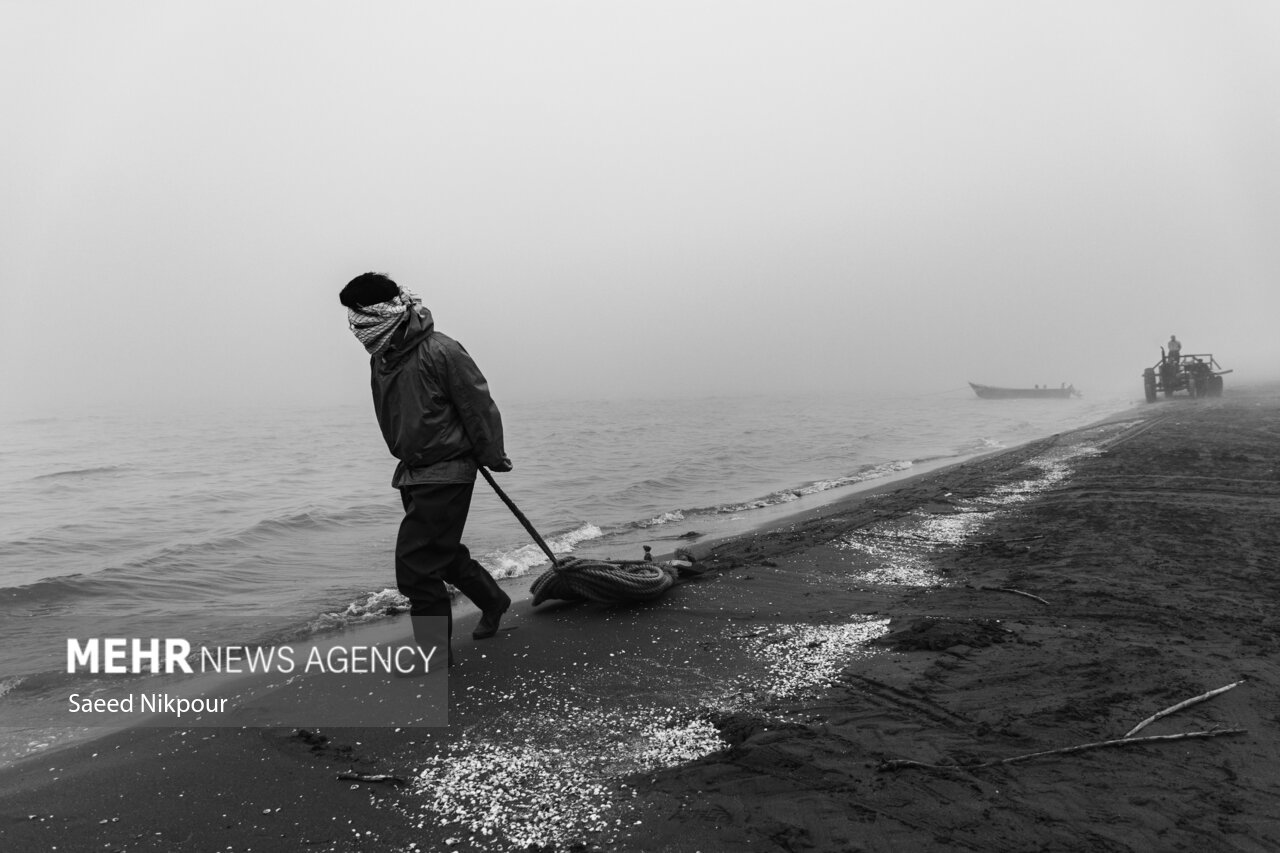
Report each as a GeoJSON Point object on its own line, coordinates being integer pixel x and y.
{"type": "Point", "coordinates": [573, 579]}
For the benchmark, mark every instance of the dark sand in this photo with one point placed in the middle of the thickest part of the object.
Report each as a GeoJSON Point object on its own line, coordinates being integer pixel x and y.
{"type": "Point", "coordinates": [1153, 541]}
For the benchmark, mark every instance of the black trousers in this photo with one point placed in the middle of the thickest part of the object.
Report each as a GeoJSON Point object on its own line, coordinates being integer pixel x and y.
{"type": "Point", "coordinates": [429, 551]}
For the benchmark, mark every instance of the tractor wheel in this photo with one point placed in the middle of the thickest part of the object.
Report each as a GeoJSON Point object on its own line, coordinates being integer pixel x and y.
{"type": "Point", "coordinates": [1215, 386]}
{"type": "Point", "coordinates": [1149, 385]}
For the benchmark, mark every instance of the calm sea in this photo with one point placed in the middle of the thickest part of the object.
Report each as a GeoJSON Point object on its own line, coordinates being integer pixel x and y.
{"type": "Point", "coordinates": [269, 525]}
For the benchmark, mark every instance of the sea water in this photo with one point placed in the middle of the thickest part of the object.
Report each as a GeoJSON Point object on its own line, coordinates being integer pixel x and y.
{"type": "Point", "coordinates": [273, 525]}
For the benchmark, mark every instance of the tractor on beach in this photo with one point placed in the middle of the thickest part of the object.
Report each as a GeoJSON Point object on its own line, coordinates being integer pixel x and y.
{"type": "Point", "coordinates": [1197, 374]}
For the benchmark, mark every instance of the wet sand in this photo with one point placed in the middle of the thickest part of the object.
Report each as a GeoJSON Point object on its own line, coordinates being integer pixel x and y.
{"type": "Point", "coordinates": [1048, 597]}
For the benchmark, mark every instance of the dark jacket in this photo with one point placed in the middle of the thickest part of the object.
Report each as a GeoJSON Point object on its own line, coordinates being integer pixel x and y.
{"type": "Point", "coordinates": [433, 406]}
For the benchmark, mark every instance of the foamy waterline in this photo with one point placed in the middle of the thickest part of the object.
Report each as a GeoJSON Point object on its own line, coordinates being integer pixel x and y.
{"type": "Point", "coordinates": [905, 564]}
{"type": "Point", "coordinates": [874, 472]}
{"type": "Point", "coordinates": [374, 607]}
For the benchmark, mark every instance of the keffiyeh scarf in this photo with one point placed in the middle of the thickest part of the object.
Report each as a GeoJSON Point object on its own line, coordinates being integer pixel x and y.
{"type": "Point", "coordinates": [373, 324]}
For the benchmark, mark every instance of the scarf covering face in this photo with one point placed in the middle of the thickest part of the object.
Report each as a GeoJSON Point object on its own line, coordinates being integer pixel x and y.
{"type": "Point", "coordinates": [373, 324]}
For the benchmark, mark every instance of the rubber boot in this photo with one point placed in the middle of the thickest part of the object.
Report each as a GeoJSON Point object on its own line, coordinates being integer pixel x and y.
{"type": "Point", "coordinates": [484, 592]}
{"type": "Point", "coordinates": [489, 619]}
{"type": "Point", "coordinates": [430, 632]}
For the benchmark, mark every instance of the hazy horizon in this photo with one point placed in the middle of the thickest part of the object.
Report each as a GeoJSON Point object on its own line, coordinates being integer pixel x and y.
{"type": "Point", "coordinates": [635, 199]}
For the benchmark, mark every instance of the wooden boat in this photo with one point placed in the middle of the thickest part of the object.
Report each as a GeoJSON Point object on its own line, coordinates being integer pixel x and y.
{"type": "Point", "coordinates": [991, 392]}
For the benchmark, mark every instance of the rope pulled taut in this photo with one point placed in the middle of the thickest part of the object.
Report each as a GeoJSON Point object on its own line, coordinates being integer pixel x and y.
{"type": "Point", "coordinates": [574, 579]}
{"type": "Point", "coordinates": [515, 510]}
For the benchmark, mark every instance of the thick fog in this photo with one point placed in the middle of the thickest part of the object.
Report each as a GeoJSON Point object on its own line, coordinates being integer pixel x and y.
{"type": "Point", "coordinates": [634, 198]}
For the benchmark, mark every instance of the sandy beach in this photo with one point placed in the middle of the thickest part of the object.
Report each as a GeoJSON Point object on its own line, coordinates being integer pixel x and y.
{"type": "Point", "coordinates": [880, 674]}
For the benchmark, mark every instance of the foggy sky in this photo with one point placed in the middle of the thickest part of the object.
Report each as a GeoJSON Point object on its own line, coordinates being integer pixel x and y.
{"type": "Point", "coordinates": [634, 198]}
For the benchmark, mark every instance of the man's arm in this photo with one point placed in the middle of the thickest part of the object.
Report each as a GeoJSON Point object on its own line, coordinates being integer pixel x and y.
{"type": "Point", "coordinates": [480, 416]}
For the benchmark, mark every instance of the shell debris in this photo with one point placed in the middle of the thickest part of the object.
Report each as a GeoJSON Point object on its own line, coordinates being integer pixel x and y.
{"type": "Point", "coordinates": [556, 779]}
{"type": "Point", "coordinates": [801, 660]}
{"type": "Point", "coordinates": [900, 548]}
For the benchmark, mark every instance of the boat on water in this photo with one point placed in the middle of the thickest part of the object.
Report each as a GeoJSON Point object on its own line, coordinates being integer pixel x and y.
{"type": "Point", "coordinates": [992, 392]}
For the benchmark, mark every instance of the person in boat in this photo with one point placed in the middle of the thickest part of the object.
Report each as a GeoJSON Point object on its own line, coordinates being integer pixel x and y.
{"type": "Point", "coordinates": [439, 420]}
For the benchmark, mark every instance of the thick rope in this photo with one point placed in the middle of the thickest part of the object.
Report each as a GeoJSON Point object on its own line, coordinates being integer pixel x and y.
{"type": "Point", "coordinates": [606, 582]}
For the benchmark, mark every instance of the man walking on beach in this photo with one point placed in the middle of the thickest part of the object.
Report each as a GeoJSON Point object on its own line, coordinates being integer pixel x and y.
{"type": "Point", "coordinates": [436, 415]}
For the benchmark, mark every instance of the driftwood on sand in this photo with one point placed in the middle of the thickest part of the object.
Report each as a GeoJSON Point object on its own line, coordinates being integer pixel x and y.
{"type": "Point", "coordinates": [898, 764]}
{"type": "Point", "coordinates": [1172, 708]}
{"type": "Point", "coordinates": [1127, 740]}
{"type": "Point", "coordinates": [1012, 590]}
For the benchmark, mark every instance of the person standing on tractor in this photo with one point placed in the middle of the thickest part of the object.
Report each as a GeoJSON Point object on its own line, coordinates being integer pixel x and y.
{"type": "Point", "coordinates": [436, 415]}
{"type": "Point", "coordinates": [1175, 348]}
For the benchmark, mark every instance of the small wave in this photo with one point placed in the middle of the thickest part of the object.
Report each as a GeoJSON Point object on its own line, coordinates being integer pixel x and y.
{"type": "Point", "coordinates": [567, 541]}
{"type": "Point", "coordinates": [518, 561]}
{"type": "Point", "coordinates": [80, 472]}
{"type": "Point", "coordinates": [664, 518]}
{"type": "Point", "coordinates": [872, 472]}
{"type": "Point", "coordinates": [37, 683]}
{"type": "Point", "coordinates": [924, 460]}
{"type": "Point", "coordinates": [375, 606]}
{"type": "Point", "coordinates": [47, 595]}
{"type": "Point", "coordinates": [981, 445]}
{"type": "Point", "coordinates": [782, 497]}
{"type": "Point", "coordinates": [310, 520]}
{"type": "Point", "coordinates": [54, 593]}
